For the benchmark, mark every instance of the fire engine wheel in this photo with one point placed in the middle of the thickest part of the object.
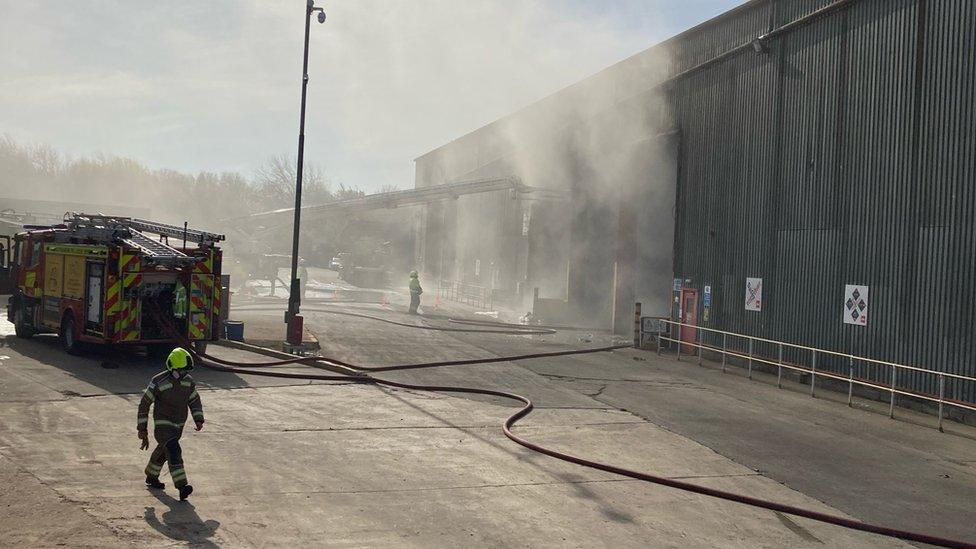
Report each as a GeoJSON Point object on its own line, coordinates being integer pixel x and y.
{"type": "Point", "coordinates": [20, 327]}
{"type": "Point", "coordinates": [200, 347]}
{"type": "Point", "coordinates": [69, 340]}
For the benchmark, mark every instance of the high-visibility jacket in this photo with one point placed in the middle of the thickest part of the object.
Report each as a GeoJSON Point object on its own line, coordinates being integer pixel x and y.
{"type": "Point", "coordinates": [179, 307]}
{"type": "Point", "coordinates": [170, 399]}
{"type": "Point", "coordinates": [415, 286]}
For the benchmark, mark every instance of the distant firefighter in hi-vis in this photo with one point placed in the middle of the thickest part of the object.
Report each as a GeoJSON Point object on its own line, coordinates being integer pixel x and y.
{"type": "Point", "coordinates": [171, 393]}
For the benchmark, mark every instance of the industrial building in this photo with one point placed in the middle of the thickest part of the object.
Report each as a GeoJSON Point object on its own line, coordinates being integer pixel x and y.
{"type": "Point", "coordinates": [798, 170]}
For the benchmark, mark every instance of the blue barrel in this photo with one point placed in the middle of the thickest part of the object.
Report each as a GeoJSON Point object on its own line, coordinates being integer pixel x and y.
{"type": "Point", "coordinates": [235, 330]}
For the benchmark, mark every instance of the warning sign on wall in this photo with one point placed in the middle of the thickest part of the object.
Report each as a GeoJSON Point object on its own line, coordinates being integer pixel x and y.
{"type": "Point", "coordinates": [754, 294]}
{"type": "Point", "coordinates": [856, 304]}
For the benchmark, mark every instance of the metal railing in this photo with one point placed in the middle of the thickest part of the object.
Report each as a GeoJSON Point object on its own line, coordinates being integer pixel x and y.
{"type": "Point", "coordinates": [470, 294]}
{"type": "Point", "coordinates": [852, 360]}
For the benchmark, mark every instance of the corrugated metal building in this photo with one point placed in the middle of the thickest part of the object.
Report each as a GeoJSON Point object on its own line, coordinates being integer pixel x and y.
{"type": "Point", "coordinates": [817, 144]}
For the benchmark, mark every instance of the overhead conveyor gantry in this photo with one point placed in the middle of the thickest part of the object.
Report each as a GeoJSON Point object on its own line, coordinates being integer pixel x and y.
{"type": "Point", "coordinates": [410, 197]}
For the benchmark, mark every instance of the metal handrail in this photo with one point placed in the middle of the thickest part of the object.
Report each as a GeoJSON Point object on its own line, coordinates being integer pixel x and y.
{"type": "Point", "coordinates": [463, 292]}
{"type": "Point", "coordinates": [812, 369]}
{"type": "Point", "coordinates": [818, 350]}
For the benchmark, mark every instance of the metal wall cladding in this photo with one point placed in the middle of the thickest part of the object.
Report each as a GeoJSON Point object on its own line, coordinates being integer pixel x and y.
{"type": "Point", "coordinates": [843, 155]}
{"type": "Point", "coordinates": [718, 36]}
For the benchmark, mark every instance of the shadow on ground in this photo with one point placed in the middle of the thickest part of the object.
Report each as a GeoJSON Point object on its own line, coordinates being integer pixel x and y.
{"type": "Point", "coordinates": [180, 521]}
{"type": "Point", "coordinates": [113, 369]}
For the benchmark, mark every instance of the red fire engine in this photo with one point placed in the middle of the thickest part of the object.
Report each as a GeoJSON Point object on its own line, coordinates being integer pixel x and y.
{"type": "Point", "coordinates": [103, 279]}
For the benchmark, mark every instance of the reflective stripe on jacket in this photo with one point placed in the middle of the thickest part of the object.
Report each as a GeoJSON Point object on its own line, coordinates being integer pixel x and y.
{"type": "Point", "coordinates": [171, 399]}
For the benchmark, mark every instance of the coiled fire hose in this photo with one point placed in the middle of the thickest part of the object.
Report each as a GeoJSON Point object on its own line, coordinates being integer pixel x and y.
{"type": "Point", "coordinates": [360, 375]}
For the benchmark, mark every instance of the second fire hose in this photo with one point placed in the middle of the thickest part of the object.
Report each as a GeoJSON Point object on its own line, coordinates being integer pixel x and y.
{"type": "Point", "coordinates": [361, 375]}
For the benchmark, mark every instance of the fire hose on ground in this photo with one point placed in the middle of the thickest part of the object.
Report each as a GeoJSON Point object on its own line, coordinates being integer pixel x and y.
{"type": "Point", "coordinates": [501, 328]}
{"type": "Point", "coordinates": [359, 374]}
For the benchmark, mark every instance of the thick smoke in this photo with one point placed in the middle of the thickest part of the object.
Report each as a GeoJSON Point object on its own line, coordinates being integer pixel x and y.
{"type": "Point", "coordinates": [605, 145]}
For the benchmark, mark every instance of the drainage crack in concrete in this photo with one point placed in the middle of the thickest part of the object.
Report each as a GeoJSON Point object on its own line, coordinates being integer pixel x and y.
{"type": "Point", "coordinates": [578, 378]}
{"type": "Point", "coordinates": [427, 489]}
{"type": "Point", "coordinates": [648, 382]}
{"type": "Point", "coordinates": [32, 401]}
{"type": "Point", "coordinates": [464, 487]}
{"type": "Point", "coordinates": [599, 391]}
{"type": "Point", "coordinates": [407, 427]}
{"type": "Point", "coordinates": [73, 394]}
{"type": "Point", "coordinates": [260, 387]}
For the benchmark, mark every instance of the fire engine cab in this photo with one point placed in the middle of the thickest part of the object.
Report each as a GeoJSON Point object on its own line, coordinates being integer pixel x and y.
{"type": "Point", "coordinates": [104, 279]}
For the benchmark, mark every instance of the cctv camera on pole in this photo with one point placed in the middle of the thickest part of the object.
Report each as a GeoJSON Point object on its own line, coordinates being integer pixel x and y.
{"type": "Point", "coordinates": [292, 318]}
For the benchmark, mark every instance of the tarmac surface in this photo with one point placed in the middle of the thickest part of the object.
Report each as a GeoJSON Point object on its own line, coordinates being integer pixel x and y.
{"type": "Point", "coordinates": [281, 463]}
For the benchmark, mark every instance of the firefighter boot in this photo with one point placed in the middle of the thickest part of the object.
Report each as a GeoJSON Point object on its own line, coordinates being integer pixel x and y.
{"type": "Point", "coordinates": [153, 482]}
{"type": "Point", "coordinates": [185, 492]}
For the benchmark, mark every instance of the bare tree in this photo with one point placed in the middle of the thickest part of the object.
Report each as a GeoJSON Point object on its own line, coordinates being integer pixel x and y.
{"type": "Point", "coordinates": [344, 192]}
{"type": "Point", "coordinates": [41, 172]}
{"type": "Point", "coordinates": [275, 181]}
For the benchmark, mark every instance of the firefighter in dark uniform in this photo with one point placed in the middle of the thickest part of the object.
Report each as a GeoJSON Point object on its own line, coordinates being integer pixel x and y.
{"type": "Point", "coordinates": [171, 392]}
{"type": "Point", "coordinates": [415, 291]}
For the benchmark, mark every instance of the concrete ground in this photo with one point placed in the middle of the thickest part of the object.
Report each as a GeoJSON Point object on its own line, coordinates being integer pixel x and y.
{"type": "Point", "coordinates": [285, 463]}
{"type": "Point", "coordinates": [900, 472]}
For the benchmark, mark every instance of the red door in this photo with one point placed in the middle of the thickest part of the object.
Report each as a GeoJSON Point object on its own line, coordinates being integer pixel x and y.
{"type": "Point", "coordinates": [689, 316]}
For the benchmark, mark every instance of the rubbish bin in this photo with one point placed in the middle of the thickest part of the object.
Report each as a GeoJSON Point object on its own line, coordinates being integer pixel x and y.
{"type": "Point", "coordinates": [235, 330]}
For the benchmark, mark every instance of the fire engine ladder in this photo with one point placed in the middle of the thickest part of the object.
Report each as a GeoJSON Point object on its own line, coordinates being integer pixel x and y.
{"type": "Point", "coordinates": [129, 231]}
{"type": "Point", "coordinates": [174, 231]}
{"type": "Point", "coordinates": [151, 248]}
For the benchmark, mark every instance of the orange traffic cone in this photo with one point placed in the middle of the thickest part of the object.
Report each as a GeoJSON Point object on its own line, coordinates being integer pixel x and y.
{"type": "Point", "coordinates": [437, 302]}
{"type": "Point", "coordinates": [383, 301]}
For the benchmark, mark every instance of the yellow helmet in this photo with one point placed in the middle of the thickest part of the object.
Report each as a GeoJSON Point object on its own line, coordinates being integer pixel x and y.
{"type": "Point", "coordinates": [179, 359]}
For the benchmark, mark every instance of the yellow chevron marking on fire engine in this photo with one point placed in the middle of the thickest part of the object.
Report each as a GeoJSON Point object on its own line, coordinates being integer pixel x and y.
{"type": "Point", "coordinates": [130, 263]}
{"type": "Point", "coordinates": [128, 322]}
{"type": "Point", "coordinates": [205, 266]}
{"type": "Point", "coordinates": [113, 302]}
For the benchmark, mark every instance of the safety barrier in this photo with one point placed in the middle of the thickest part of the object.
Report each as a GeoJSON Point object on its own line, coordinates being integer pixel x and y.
{"type": "Point", "coordinates": [470, 294]}
{"type": "Point", "coordinates": [750, 357]}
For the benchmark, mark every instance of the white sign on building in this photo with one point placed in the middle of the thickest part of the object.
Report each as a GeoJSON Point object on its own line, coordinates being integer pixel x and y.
{"type": "Point", "coordinates": [754, 294]}
{"type": "Point", "coordinates": [856, 304]}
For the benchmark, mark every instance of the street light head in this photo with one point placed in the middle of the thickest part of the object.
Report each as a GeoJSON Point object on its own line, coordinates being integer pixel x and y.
{"type": "Point", "coordinates": [321, 15]}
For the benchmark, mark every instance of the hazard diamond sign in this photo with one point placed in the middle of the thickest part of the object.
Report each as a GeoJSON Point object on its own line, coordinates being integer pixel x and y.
{"type": "Point", "coordinates": [856, 304]}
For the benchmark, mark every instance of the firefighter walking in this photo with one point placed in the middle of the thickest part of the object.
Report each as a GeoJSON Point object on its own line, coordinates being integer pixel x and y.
{"type": "Point", "coordinates": [171, 393]}
{"type": "Point", "coordinates": [415, 291]}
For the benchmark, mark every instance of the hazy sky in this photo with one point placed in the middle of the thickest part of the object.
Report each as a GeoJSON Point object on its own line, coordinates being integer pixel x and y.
{"type": "Point", "coordinates": [215, 85]}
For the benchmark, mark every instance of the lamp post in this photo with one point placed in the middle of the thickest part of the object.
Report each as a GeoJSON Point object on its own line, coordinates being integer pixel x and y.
{"type": "Point", "coordinates": [294, 293]}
